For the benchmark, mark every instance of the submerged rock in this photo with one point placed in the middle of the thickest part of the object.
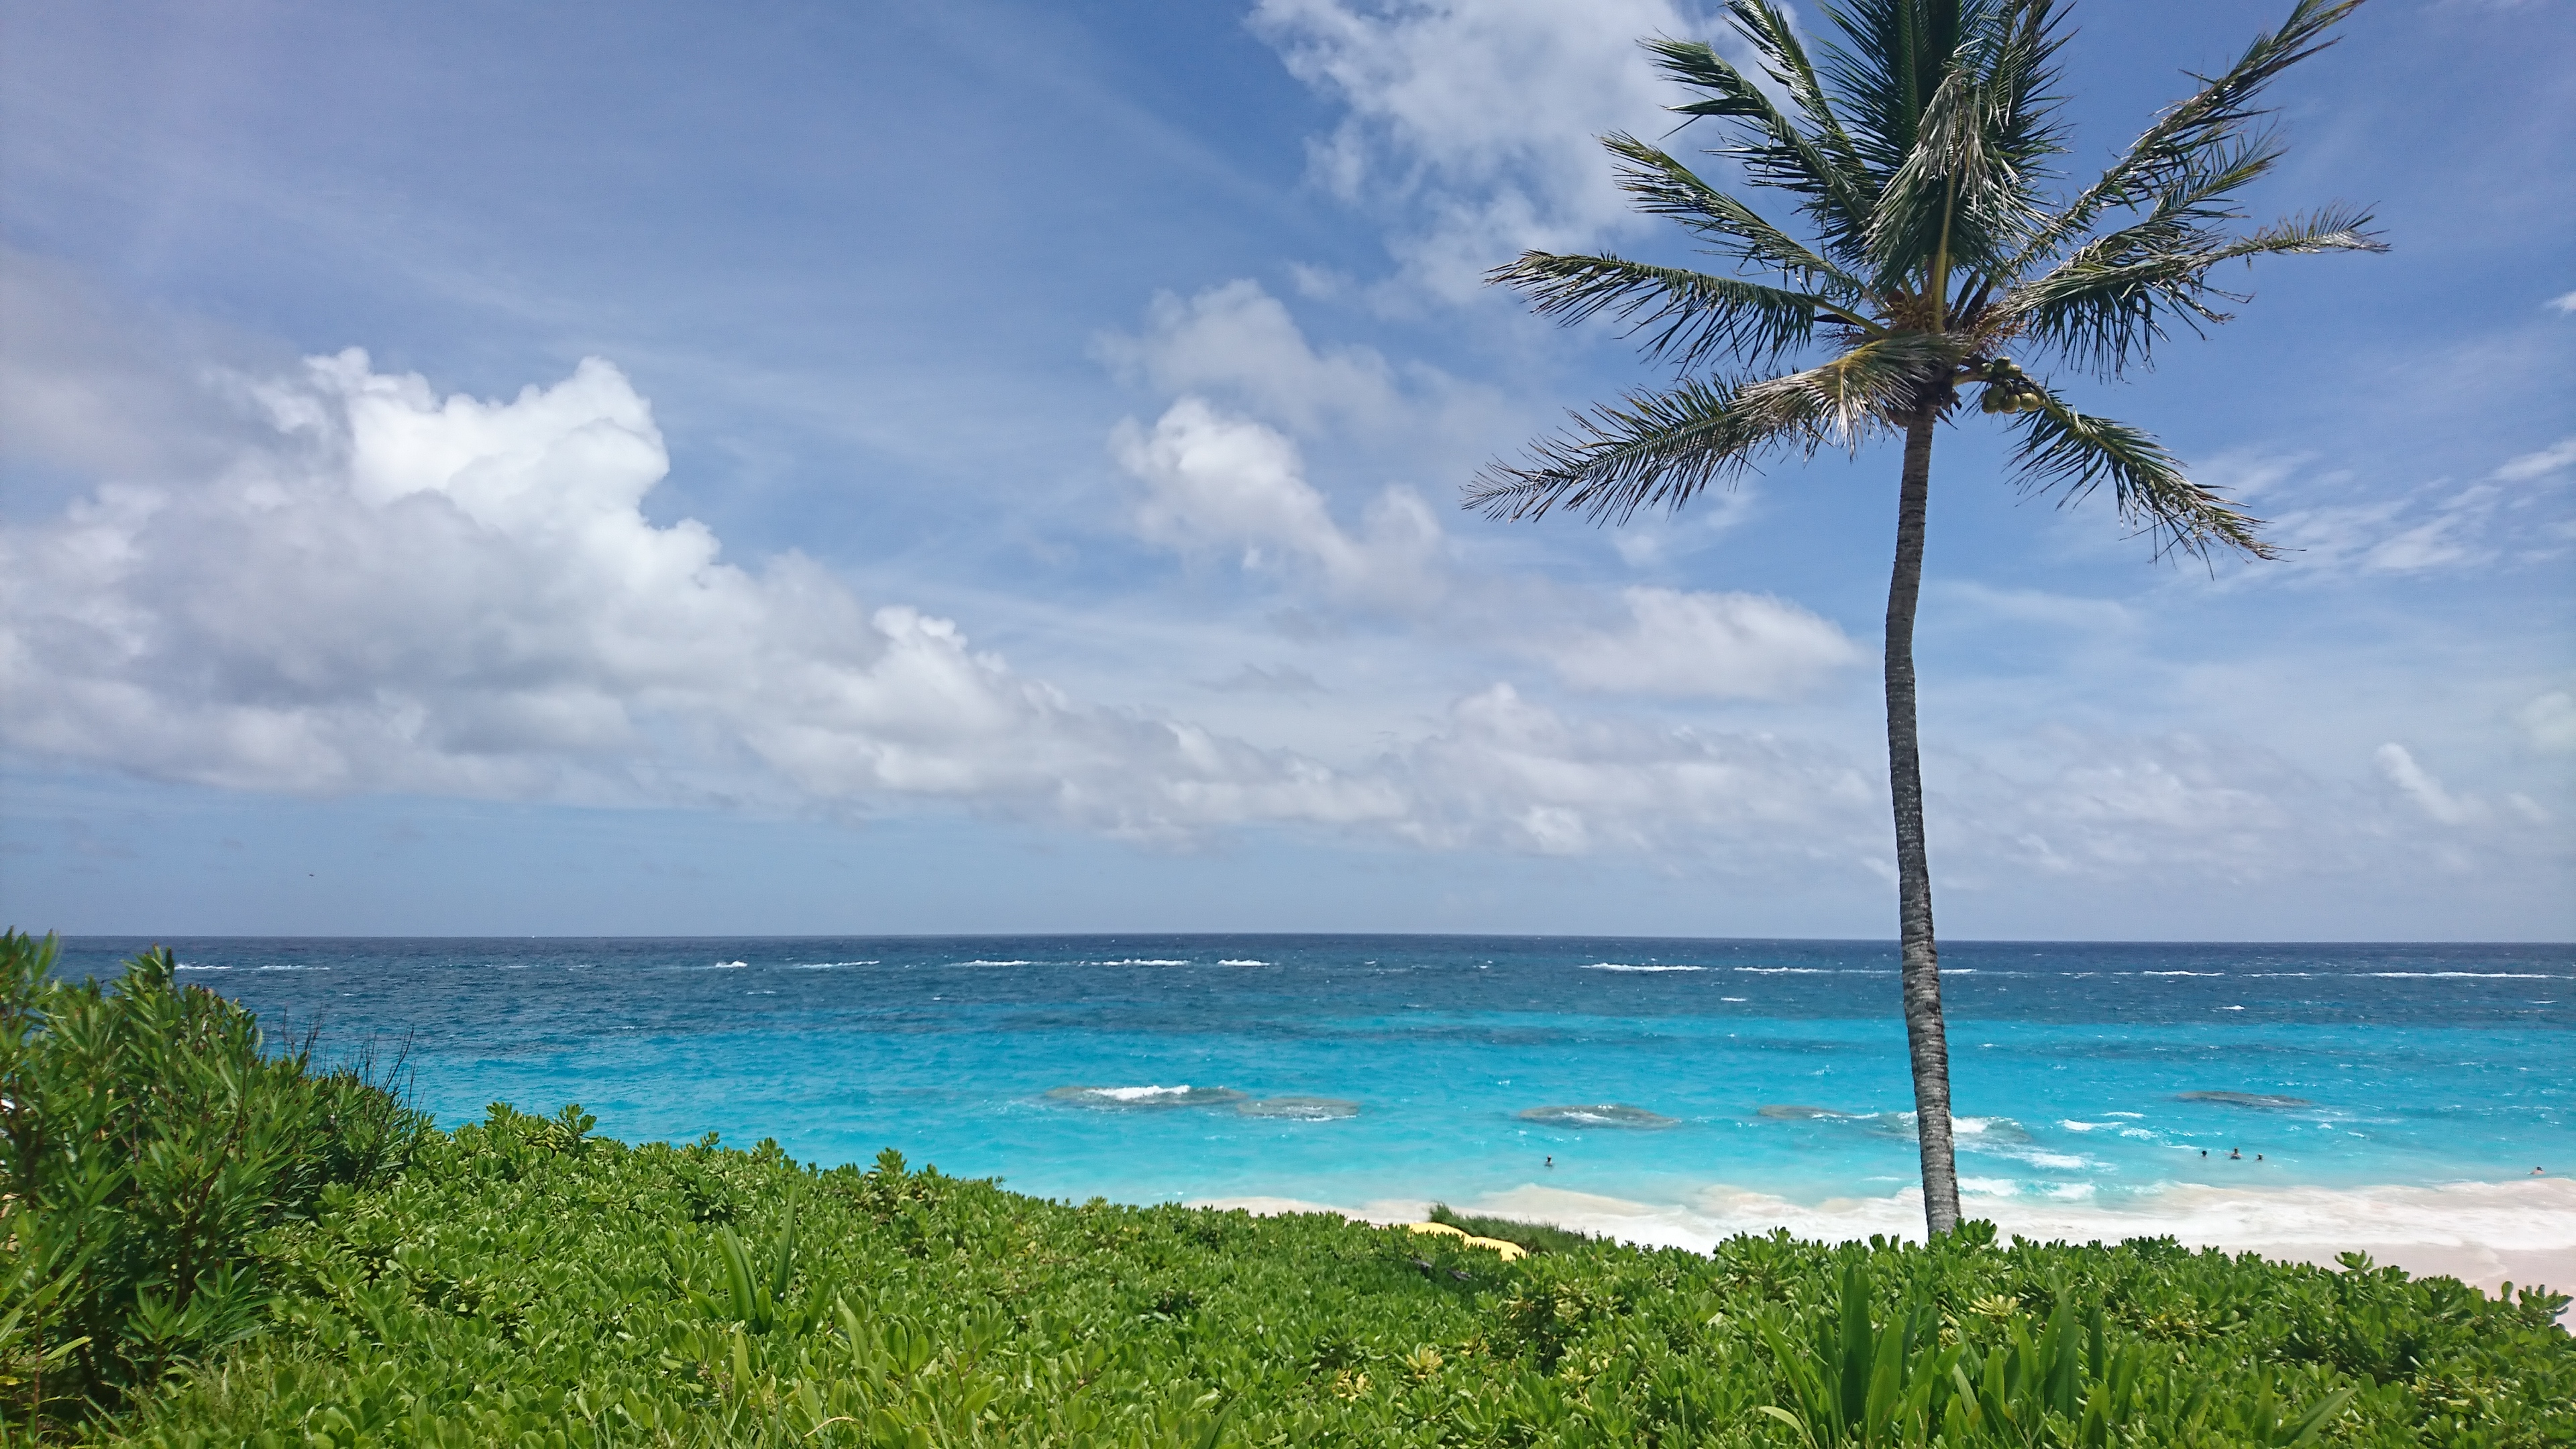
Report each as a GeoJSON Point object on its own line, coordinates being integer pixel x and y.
{"type": "Point", "coordinates": [2243, 1099]}
{"type": "Point", "coordinates": [1300, 1109]}
{"type": "Point", "coordinates": [1599, 1114]}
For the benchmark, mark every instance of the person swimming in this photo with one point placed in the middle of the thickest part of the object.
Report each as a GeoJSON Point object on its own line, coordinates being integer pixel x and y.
{"type": "Point", "coordinates": [2235, 1154]}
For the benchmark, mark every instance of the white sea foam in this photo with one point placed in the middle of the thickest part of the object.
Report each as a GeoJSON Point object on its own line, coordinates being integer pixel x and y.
{"type": "Point", "coordinates": [830, 965]}
{"type": "Point", "coordinates": [1624, 966]}
{"type": "Point", "coordinates": [994, 963]}
{"type": "Point", "coordinates": [1791, 970]}
{"type": "Point", "coordinates": [2124, 1114]}
{"type": "Point", "coordinates": [193, 966]}
{"type": "Point", "coordinates": [2075, 1126]}
{"type": "Point", "coordinates": [1244, 961]}
{"type": "Point", "coordinates": [284, 966]}
{"type": "Point", "coordinates": [1731, 998]}
{"type": "Point", "coordinates": [730, 965]}
{"type": "Point", "coordinates": [2466, 975]}
{"type": "Point", "coordinates": [1128, 961]}
{"type": "Point", "coordinates": [2182, 973]}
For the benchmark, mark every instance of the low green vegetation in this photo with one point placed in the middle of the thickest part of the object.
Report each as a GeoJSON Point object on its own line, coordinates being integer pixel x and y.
{"type": "Point", "coordinates": [1537, 1237]}
{"type": "Point", "coordinates": [521, 1281]}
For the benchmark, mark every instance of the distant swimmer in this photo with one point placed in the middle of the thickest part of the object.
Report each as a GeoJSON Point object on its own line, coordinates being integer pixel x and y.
{"type": "Point", "coordinates": [2535, 1172]}
{"type": "Point", "coordinates": [1551, 1161]}
{"type": "Point", "coordinates": [2258, 1157]}
{"type": "Point", "coordinates": [2235, 1155]}
{"type": "Point", "coordinates": [2204, 1152]}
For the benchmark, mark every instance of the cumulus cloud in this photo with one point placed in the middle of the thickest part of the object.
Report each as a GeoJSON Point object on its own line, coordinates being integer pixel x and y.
{"type": "Point", "coordinates": [414, 593]}
{"type": "Point", "coordinates": [2563, 302]}
{"type": "Point", "coordinates": [1482, 116]}
{"type": "Point", "coordinates": [1709, 645]}
{"type": "Point", "coordinates": [1219, 482]}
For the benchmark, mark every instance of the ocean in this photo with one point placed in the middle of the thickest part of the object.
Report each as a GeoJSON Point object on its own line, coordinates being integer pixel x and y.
{"type": "Point", "coordinates": [1670, 1088]}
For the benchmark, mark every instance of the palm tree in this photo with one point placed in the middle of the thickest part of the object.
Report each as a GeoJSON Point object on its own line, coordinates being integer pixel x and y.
{"type": "Point", "coordinates": [1918, 146]}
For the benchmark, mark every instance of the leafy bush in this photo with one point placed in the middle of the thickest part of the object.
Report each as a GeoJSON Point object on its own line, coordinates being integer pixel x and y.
{"type": "Point", "coordinates": [149, 1138]}
{"type": "Point", "coordinates": [526, 1282]}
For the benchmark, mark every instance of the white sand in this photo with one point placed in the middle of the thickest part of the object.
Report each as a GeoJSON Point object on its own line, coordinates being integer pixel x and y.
{"type": "Point", "coordinates": [2483, 1233]}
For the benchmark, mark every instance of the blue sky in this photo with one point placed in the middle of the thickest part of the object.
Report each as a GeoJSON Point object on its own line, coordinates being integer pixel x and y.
{"type": "Point", "coordinates": [847, 468]}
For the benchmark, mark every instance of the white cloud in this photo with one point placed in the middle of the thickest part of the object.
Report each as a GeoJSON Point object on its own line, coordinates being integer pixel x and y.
{"type": "Point", "coordinates": [1508, 773]}
{"type": "Point", "coordinates": [2549, 722]}
{"type": "Point", "coordinates": [2540, 464]}
{"type": "Point", "coordinates": [2563, 302]}
{"type": "Point", "coordinates": [1481, 115]}
{"type": "Point", "coordinates": [1239, 340]}
{"type": "Point", "coordinates": [1215, 481]}
{"type": "Point", "coordinates": [1714, 645]}
{"type": "Point", "coordinates": [2418, 785]}
{"type": "Point", "coordinates": [409, 593]}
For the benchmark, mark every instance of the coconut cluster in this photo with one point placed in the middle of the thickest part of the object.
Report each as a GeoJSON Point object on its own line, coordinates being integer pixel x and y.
{"type": "Point", "coordinates": [2008, 389]}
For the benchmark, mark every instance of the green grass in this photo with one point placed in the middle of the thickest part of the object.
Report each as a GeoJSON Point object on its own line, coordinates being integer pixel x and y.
{"type": "Point", "coordinates": [520, 1281]}
{"type": "Point", "coordinates": [1537, 1237]}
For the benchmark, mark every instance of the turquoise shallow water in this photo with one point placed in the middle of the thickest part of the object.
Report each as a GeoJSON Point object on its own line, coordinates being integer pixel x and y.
{"type": "Point", "coordinates": [2072, 1063]}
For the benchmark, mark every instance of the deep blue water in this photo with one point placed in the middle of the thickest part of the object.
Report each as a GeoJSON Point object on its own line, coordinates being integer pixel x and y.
{"type": "Point", "coordinates": [2416, 1063]}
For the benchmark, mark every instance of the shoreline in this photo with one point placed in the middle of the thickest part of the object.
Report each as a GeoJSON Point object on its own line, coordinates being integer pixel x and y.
{"type": "Point", "coordinates": [2485, 1234]}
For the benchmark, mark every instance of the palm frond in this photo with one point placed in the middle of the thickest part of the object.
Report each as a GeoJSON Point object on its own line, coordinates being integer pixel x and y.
{"type": "Point", "coordinates": [1661, 449]}
{"type": "Point", "coordinates": [2068, 452]}
{"type": "Point", "coordinates": [1647, 450]}
{"type": "Point", "coordinates": [1889, 60]}
{"type": "Point", "coordinates": [1685, 317]}
{"type": "Point", "coordinates": [2179, 141]}
{"type": "Point", "coordinates": [1665, 187]}
{"type": "Point", "coordinates": [1777, 153]}
{"type": "Point", "coordinates": [1968, 189]}
{"type": "Point", "coordinates": [1784, 57]}
{"type": "Point", "coordinates": [2108, 304]}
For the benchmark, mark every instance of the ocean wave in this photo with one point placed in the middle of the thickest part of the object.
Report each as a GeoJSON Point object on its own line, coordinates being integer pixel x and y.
{"type": "Point", "coordinates": [1300, 1109]}
{"type": "Point", "coordinates": [1624, 966]}
{"type": "Point", "coordinates": [1599, 1114]}
{"type": "Point", "coordinates": [1183, 1095]}
{"type": "Point", "coordinates": [2182, 973]}
{"type": "Point", "coordinates": [1731, 998]}
{"type": "Point", "coordinates": [1794, 971]}
{"type": "Point", "coordinates": [2465, 975]}
{"type": "Point", "coordinates": [729, 966]}
{"type": "Point", "coordinates": [992, 963]}
{"type": "Point", "coordinates": [284, 966]}
{"type": "Point", "coordinates": [1241, 961]}
{"type": "Point", "coordinates": [1127, 961]}
{"type": "Point", "coordinates": [829, 965]}
{"type": "Point", "coordinates": [193, 966]}
{"type": "Point", "coordinates": [2074, 1126]}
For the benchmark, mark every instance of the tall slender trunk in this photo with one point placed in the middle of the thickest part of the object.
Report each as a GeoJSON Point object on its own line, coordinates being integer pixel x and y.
{"type": "Point", "coordinates": [1924, 1039]}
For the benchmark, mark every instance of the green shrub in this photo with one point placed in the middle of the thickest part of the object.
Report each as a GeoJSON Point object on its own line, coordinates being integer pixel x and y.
{"type": "Point", "coordinates": [526, 1282]}
{"type": "Point", "coordinates": [149, 1138]}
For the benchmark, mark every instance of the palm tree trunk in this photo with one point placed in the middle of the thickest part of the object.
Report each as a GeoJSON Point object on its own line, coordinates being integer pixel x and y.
{"type": "Point", "coordinates": [1925, 1041]}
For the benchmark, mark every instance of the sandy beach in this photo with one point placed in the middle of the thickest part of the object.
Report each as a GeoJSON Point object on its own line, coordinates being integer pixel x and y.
{"type": "Point", "coordinates": [2486, 1234]}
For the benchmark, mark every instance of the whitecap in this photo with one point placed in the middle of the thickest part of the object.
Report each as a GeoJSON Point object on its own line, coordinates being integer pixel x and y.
{"type": "Point", "coordinates": [1129, 961]}
{"type": "Point", "coordinates": [1183, 1095]}
{"type": "Point", "coordinates": [1990, 1186]}
{"type": "Point", "coordinates": [2227, 1008]}
{"type": "Point", "coordinates": [1242, 961]}
{"type": "Point", "coordinates": [193, 966]}
{"type": "Point", "coordinates": [829, 965]}
{"type": "Point", "coordinates": [2182, 973]}
{"type": "Point", "coordinates": [1739, 998]}
{"type": "Point", "coordinates": [1599, 1114]}
{"type": "Point", "coordinates": [1624, 966]}
{"type": "Point", "coordinates": [2125, 1114]}
{"type": "Point", "coordinates": [281, 966]}
{"type": "Point", "coordinates": [2068, 1191]}
{"type": "Point", "coordinates": [729, 965]}
{"type": "Point", "coordinates": [2465, 975]}
{"type": "Point", "coordinates": [1788, 970]}
{"type": "Point", "coordinates": [2074, 1126]}
{"type": "Point", "coordinates": [992, 963]}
